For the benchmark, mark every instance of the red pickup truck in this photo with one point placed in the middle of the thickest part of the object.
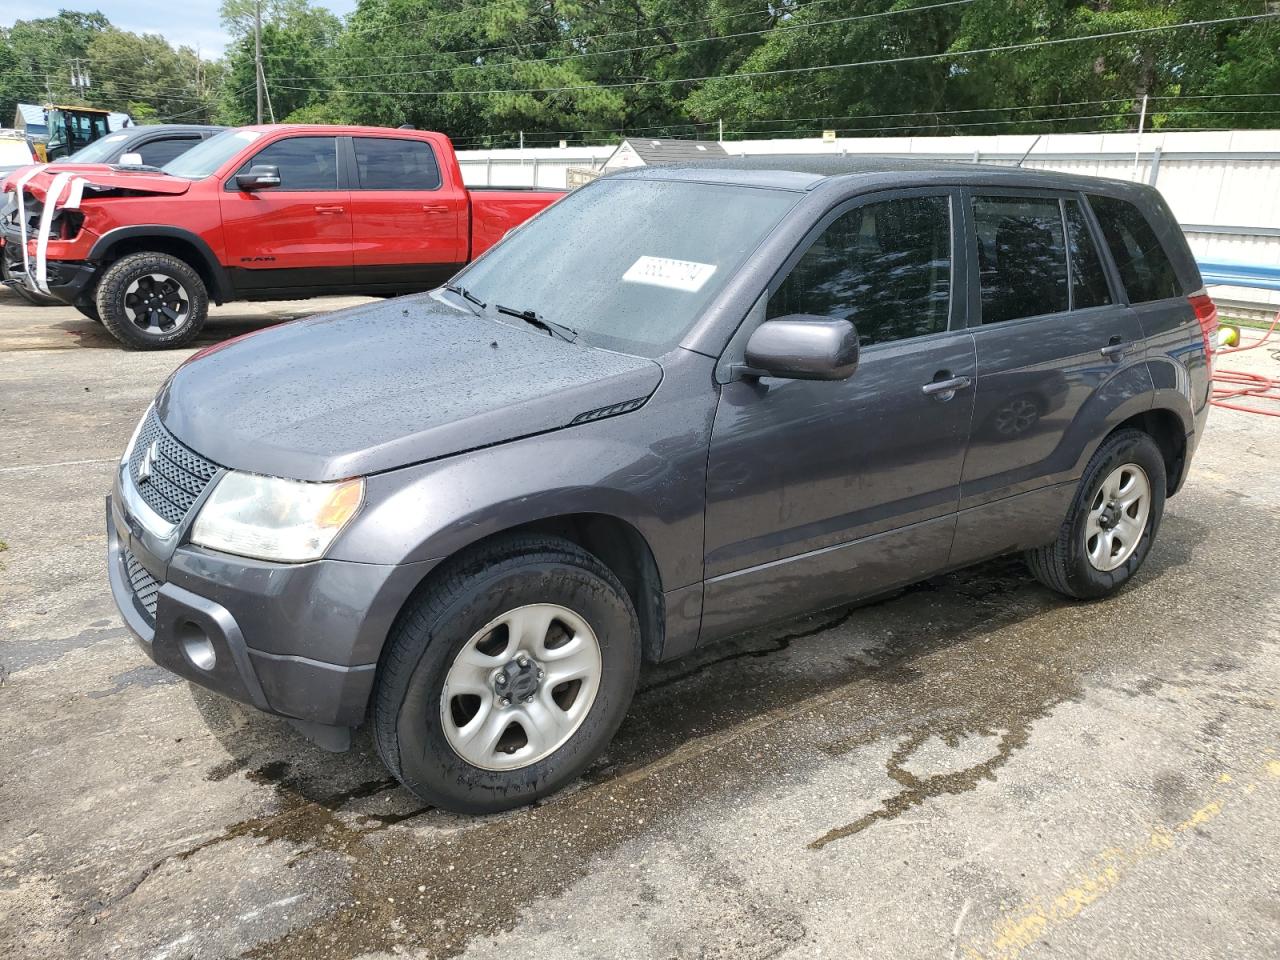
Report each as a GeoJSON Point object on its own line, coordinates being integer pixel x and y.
{"type": "Point", "coordinates": [255, 213]}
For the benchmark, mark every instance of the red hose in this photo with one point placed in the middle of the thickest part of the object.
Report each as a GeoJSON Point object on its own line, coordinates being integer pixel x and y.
{"type": "Point", "coordinates": [1229, 385]}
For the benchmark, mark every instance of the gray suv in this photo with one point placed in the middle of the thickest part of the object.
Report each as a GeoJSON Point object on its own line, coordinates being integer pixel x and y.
{"type": "Point", "coordinates": [677, 404]}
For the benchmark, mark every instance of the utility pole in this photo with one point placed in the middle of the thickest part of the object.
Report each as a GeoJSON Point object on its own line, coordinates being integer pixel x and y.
{"type": "Point", "coordinates": [1137, 147]}
{"type": "Point", "coordinates": [257, 52]}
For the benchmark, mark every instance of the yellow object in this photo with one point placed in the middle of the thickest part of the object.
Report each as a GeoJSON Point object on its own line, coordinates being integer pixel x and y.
{"type": "Point", "coordinates": [1228, 336]}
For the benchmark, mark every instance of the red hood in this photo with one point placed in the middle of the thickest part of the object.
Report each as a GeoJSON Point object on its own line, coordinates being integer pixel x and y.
{"type": "Point", "coordinates": [101, 175]}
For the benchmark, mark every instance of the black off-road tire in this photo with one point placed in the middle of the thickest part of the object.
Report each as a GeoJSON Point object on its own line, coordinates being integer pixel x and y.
{"type": "Point", "coordinates": [112, 292]}
{"type": "Point", "coordinates": [1064, 565]}
{"type": "Point", "coordinates": [475, 588]}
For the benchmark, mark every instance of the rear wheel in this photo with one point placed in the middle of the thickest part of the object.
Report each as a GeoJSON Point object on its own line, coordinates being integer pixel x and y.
{"type": "Point", "coordinates": [1112, 522]}
{"type": "Point", "coordinates": [152, 301]}
{"type": "Point", "coordinates": [507, 676]}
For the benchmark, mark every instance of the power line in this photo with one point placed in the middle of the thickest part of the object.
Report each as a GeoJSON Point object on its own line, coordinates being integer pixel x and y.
{"type": "Point", "coordinates": [786, 71]}
{"type": "Point", "coordinates": [652, 46]}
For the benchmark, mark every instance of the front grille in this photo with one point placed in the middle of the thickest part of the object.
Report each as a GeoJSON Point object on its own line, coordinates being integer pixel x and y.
{"type": "Point", "coordinates": [145, 586]}
{"type": "Point", "coordinates": [168, 476]}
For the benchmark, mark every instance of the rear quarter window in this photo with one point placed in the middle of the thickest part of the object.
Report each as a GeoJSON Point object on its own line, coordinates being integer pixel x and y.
{"type": "Point", "coordinates": [1144, 266]}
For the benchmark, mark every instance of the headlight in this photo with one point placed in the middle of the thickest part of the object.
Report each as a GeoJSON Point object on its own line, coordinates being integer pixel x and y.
{"type": "Point", "coordinates": [274, 519]}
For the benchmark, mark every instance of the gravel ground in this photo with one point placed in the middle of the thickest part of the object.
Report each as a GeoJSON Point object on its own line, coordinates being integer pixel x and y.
{"type": "Point", "coordinates": [972, 768]}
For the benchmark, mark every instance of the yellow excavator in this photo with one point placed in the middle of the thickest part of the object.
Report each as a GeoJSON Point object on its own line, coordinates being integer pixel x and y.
{"type": "Point", "coordinates": [70, 128]}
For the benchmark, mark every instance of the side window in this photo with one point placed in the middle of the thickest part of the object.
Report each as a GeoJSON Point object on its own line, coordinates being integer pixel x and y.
{"type": "Point", "coordinates": [1088, 282]}
{"type": "Point", "coordinates": [306, 163]}
{"type": "Point", "coordinates": [1022, 257]}
{"type": "Point", "coordinates": [1144, 266]}
{"type": "Point", "coordinates": [885, 266]}
{"type": "Point", "coordinates": [385, 163]}
{"type": "Point", "coordinates": [157, 153]}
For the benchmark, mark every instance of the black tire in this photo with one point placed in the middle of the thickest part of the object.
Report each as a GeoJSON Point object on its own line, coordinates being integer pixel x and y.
{"type": "Point", "coordinates": [1064, 565]}
{"type": "Point", "coordinates": [116, 303]}
{"type": "Point", "coordinates": [435, 625]}
{"type": "Point", "coordinates": [90, 310]}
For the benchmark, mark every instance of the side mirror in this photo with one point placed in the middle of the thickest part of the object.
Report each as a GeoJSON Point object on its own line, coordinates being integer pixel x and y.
{"type": "Point", "coordinates": [259, 177]}
{"type": "Point", "coordinates": [130, 160]}
{"type": "Point", "coordinates": [802, 347]}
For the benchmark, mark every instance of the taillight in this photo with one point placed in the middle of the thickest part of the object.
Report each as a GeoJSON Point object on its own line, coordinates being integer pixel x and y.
{"type": "Point", "coordinates": [1207, 316]}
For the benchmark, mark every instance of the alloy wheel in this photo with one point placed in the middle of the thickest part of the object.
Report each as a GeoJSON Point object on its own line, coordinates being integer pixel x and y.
{"type": "Point", "coordinates": [1117, 517]}
{"type": "Point", "coordinates": [157, 303]}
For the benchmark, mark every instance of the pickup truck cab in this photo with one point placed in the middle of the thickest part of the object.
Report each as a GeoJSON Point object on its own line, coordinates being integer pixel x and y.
{"type": "Point", "coordinates": [254, 213]}
{"type": "Point", "coordinates": [680, 404]}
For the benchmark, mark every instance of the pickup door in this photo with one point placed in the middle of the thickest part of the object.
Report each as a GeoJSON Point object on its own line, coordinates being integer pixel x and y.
{"type": "Point", "coordinates": [297, 234]}
{"type": "Point", "coordinates": [409, 225]}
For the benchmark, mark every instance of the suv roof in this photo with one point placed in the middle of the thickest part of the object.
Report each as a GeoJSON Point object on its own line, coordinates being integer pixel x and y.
{"type": "Point", "coordinates": [805, 171]}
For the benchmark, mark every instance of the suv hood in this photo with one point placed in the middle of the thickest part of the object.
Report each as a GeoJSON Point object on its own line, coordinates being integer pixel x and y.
{"type": "Point", "coordinates": [384, 385]}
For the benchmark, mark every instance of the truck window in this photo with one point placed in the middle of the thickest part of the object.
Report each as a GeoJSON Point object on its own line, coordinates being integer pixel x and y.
{"type": "Point", "coordinates": [156, 153]}
{"type": "Point", "coordinates": [306, 163]}
{"type": "Point", "coordinates": [1088, 281]}
{"type": "Point", "coordinates": [1022, 257]}
{"type": "Point", "coordinates": [387, 163]}
{"type": "Point", "coordinates": [885, 266]}
{"type": "Point", "coordinates": [1143, 264]}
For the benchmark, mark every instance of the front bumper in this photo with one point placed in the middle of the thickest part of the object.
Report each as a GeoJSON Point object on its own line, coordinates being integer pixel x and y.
{"type": "Point", "coordinates": [297, 640]}
{"type": "Point", "coordinates": [69, 281]}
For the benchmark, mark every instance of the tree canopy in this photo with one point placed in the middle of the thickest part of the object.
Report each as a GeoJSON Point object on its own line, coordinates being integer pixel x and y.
{"type": "Point", "coordinates": [487, 71]}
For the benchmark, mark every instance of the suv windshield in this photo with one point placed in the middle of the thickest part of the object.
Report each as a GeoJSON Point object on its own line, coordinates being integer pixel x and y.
{"type": "Point", "coordinates": [204, 160]}
{"type": "Point", "coordinates": [99, 150]}
{"type": "Point", "coordinates": [628, 264]}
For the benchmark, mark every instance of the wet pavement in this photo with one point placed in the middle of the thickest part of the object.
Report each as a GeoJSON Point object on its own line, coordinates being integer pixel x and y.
{"type": "Point", "coordinates": [972, 767]}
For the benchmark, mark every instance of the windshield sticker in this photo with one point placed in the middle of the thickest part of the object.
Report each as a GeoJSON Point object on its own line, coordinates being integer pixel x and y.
{"type": "Point", "coordinates": [686, 275]}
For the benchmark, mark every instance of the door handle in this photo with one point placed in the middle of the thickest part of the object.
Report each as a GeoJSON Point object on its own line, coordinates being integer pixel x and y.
{"type": "Point", "coordinates": [1114, 350]}
{"type": "Point", "coordinates": [324, 209]}
{"type": "Point", "coordinates": [435, 208]}
{"type": "Point", "coordinates": [945, 387]}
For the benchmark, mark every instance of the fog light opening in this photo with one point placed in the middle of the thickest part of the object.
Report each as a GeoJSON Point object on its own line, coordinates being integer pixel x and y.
{"type": "Point", "coordinates": [197, 646]}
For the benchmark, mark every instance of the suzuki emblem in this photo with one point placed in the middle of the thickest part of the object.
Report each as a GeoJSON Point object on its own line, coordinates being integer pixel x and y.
{"type": "Point", "coordinates": [148, 462]}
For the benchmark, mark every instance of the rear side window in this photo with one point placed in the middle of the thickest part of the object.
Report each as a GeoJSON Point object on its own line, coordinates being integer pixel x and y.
{"type": "Point", "coordinates": [1143, 264]}
{"type": "Point", "coordinates": [1088, 281]}
{"type": "Point", "coordinates": [886, 266]}
{"type": "Point", "coordinates": [157, 153]}
{"type": "Point", "coordinates": [389, 164]}
{"type": "Point", "coordinates": [1022, 257]}
{"type": "Point", "coordinates": [306, 163]}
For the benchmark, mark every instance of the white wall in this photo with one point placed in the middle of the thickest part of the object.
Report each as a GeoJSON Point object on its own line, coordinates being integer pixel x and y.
{"type": "Point", "coordinates": [1224, 186]}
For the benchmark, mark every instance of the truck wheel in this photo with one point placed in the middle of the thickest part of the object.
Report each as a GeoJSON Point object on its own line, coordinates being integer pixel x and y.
{"type": "Point", "coordinates": [506, 676]}
{"type": "Point", "coordinates": [1112, 522]}
{"type": "Point", "coordinates": [152, 301]}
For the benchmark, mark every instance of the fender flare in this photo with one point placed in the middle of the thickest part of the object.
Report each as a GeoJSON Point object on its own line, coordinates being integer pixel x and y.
{"type": "Point", "coordinates": [221, 287]}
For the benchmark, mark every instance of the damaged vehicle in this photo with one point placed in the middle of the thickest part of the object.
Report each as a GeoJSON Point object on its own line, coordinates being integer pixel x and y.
{"type": "Point", "coordinates": [280, 212]}
{"type": "Point", "coordinates": [681, 403]}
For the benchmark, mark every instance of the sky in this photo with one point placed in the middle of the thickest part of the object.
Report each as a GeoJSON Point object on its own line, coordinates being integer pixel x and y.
{"type": "Point", "coordinates": [197, 26]}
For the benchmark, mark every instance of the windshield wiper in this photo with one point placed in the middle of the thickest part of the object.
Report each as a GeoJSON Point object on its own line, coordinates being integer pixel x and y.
{"type": "Point", "coordinates": [465, 294]}
{"type": "Point", "coordinates": [567, 334]}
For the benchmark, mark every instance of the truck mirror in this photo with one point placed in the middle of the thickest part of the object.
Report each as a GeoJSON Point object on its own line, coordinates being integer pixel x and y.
{"type": "Point", "coordinates": [259, 177]}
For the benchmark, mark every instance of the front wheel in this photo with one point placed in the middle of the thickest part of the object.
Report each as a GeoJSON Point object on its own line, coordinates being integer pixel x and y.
{"type": "Point", "coordinates": [505, 677]}
{"type": "Point", "coordinates": [1112, 522]}
{"type": "Point", "coordinates": [152, 301]}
